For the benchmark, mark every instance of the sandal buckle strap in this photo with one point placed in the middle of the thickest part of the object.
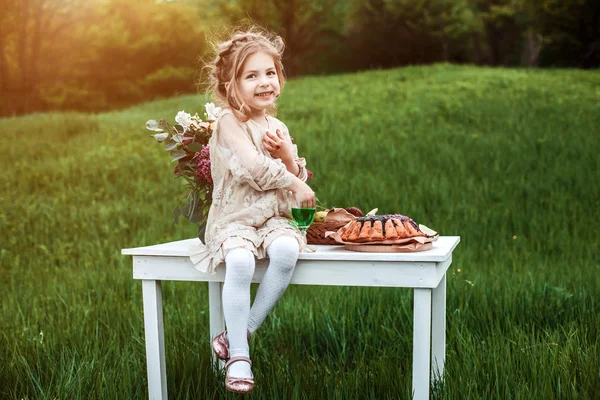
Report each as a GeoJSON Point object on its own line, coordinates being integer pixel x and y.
{"type": "Point", "coordinates": [238, 358]}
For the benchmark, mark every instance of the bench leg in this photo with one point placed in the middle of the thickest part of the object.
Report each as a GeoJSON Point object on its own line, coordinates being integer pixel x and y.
{"type": "Point", "coordinates": [421, 344]}
{"type": "Point", "coordinates": [155, 340]}
{"type": "Point", "coordinates": [438, 330]}
{"type": "Point", "coordinates": [217, 320]}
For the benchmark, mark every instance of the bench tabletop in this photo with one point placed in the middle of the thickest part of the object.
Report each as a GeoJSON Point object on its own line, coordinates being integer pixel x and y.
{"type": "Point", "coordinates": [441, 251]}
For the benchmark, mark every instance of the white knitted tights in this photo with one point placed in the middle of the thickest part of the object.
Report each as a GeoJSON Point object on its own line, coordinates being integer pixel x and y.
{"type": "Point", "coordinates": [239, 268]}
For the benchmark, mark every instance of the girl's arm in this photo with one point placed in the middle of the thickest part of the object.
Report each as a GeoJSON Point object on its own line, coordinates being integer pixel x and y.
{"type": "Point", "coordinates": [247, 164]}
{"type": "Point", "coordinates": [291, 165]}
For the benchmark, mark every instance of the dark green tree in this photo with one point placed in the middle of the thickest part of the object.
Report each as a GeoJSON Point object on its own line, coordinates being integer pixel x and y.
{"type": "Point", "coordinates": [313, 30]}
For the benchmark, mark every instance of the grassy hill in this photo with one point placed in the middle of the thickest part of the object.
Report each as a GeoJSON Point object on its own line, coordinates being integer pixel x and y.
{"type": "Point", "coordinates": [507, 159]}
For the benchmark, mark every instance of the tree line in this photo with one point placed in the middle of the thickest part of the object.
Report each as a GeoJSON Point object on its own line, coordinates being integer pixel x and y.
{"type": "Point", "coordinates": [105, 54]}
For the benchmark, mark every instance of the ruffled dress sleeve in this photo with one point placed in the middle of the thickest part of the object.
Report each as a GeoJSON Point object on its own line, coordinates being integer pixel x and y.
{"type": "Point", "coordinates": [247, 164]}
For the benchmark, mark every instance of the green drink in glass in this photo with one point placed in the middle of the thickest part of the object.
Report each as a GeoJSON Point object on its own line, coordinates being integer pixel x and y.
{"type": "Point", "coordinates": [303, 210]}
{"type": "Point", "coordinates": [303, 217]}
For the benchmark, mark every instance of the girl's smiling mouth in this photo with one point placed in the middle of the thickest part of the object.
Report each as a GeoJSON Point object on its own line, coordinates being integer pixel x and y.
{"type": "Point", "coordinates": [264, 94]}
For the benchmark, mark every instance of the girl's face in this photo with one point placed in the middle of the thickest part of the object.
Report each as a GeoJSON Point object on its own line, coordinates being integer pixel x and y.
{"type": "Point", "coordinates": [259, 84]}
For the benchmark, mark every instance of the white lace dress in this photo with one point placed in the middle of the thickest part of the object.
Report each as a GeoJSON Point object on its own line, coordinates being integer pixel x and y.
{"type": "Point", "coordinates": [250, 208]}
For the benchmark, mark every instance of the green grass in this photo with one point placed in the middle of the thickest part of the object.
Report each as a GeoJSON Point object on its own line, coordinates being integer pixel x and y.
{"type": "Point", "coordinates": [507, 159]}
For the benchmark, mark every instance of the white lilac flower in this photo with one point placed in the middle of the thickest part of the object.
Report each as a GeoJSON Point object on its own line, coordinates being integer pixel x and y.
{"type": "Point", "coordinates": [196, 120]}
{"type": "Point", "coordinates": [212, 112]}
{"type": "Point", "coordinates": [184, 119]}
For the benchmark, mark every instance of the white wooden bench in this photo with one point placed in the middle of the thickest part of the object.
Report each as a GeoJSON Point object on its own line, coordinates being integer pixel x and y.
{"type": "Point", "coordinates": [425, 272]}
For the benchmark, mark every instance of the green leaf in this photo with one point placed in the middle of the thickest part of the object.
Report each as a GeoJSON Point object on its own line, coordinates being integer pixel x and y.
{"type": "Point", "coordinates": [170, 145]}
{"type": "Point", "coordinates": [193, 209]}
{"type": "Point", "coordinates": [202, 232]}
{"type": "Point", "coordinates": [176, 214]}
{"type": "Point", "coordinates": [152, 125]}
{"type": "Point", "coordinates": [177, 155]}
{"type": "Point", "coordinates": [179, 129]}
{"type": "Point", "coordinates": [186, 165]}
{"type": "Point", "coordinates": [161, 137]}
{"type": "Point", "coordinates": [194, 147]}
{"type": "Point", "coordinates": [164, 125]}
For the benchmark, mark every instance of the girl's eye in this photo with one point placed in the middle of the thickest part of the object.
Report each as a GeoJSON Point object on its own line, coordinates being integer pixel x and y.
{"type": "Point", "coordinates": [252, 76]}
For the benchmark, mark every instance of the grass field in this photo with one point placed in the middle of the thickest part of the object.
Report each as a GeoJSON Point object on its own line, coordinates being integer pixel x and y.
{"type": "Point", "coordinates": [507, 159]}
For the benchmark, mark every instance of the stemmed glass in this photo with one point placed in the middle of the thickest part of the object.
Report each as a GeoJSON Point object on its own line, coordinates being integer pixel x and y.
{"type": "Point", "coordinates": [303, 211]}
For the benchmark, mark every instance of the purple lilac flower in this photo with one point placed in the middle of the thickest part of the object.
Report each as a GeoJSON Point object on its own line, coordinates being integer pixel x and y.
{"type": "Point", "coordinates": [203, 168]}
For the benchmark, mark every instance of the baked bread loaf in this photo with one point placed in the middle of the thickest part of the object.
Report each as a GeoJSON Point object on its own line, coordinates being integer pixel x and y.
{"type": "Point", "coordinates": [380, 227]}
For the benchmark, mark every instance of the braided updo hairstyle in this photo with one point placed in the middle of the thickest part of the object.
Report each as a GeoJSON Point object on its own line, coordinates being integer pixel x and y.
{"type": "Point", "coordinates": [226, 67]}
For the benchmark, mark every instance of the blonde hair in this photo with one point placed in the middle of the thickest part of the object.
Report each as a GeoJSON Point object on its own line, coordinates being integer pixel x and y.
{"type": "Point", "coordinates": [227, 66]}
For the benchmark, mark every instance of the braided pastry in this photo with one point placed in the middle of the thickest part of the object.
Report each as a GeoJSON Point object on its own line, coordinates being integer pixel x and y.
{"type": "Point", "coordinates": [380, 227]}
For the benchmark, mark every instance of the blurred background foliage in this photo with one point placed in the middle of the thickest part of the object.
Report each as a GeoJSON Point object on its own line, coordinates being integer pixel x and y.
{"type": "Point", "coordinates": [96, 55]}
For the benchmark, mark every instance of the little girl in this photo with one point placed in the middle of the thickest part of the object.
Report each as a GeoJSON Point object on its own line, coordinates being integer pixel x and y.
{"type": "Point", "coordinates": [258, 177]}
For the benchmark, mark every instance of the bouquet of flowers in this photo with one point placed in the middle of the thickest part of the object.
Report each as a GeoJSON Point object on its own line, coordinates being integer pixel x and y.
{"type": "Point", "coordinates": [187, 142]}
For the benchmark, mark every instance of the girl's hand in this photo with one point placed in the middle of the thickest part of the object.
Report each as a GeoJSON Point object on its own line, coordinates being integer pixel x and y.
{"type": "Point", "coordinates": [305, 199]}
{"type": "Point", "coordinates": [278, 145]}
{"type": "Point", "coordinates": [304, 195]}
